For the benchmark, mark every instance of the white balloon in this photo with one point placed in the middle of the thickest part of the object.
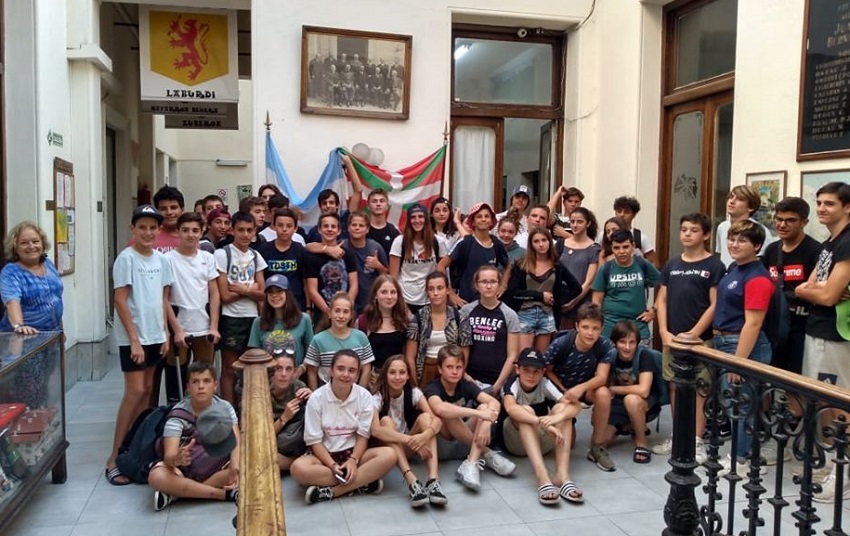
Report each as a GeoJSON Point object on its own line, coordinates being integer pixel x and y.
{"type": "Point", "coordinates": [376, 156]}
{"type": "Point", "coordinates": [360, 150]}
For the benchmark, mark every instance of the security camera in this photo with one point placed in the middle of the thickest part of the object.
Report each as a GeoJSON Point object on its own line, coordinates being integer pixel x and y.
{"type": "Point", "coordinates": [522, 33]}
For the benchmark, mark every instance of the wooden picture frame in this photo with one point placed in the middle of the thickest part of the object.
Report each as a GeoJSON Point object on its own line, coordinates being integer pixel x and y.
{"type": "Point", "coordinates": [354, 73]}
{"type": "Point", "coordinates": [810, 183]}
{"type": "Point", "coordinates": [823, 129]}
{"type": "Point", "coordinates": [771, 188]}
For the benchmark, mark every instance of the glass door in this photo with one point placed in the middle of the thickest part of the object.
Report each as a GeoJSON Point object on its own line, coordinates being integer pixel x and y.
{"type": "Point", "coordinates": [476, 154]}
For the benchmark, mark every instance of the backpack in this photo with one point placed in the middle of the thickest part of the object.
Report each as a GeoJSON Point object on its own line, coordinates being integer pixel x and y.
{"type": "Point", "coordinates": [659, 387]}
{"type": "Point", "coordinates": [137, 453]}
{"type": "Point", "coordinates": [202, 465]}
{"type": "Point", "coordinates": [229, 256]}
{"type": "Point", "coordinates": [777, 321]}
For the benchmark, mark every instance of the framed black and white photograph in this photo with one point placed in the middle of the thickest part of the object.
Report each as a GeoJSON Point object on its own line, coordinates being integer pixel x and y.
{"type": "Point", "coordinates": [355, 73]}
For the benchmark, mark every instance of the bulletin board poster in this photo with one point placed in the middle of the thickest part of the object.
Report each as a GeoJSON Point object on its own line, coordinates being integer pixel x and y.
{"type": "Point", "coordinates": [64, 216]}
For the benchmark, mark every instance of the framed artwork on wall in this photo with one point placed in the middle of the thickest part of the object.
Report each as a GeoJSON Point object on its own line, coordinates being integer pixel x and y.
{"type": "Point", "coordinates": [770, 186]}
{"type": "Point", "coordinates": [355, 73]}
{"type": "Point", "coordinates": [810, 182]}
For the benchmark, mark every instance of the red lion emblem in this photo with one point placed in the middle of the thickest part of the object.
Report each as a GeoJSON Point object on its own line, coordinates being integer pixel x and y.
{"type": "Point", "coordinates": [193, 37]}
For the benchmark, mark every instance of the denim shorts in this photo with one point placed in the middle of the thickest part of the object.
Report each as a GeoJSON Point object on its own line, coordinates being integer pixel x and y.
{"type": "Point", "coordinates": [536, 321]}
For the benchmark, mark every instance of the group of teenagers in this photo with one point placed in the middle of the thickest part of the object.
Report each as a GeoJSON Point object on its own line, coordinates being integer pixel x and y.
{"type": "Point", "coordinates": [387, 340]}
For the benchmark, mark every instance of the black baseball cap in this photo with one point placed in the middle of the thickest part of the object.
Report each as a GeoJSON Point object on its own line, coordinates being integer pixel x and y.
{"type": "Point", "coordinates": [529, 357]}
{"type": "Point", "coordinates": [146, 211]}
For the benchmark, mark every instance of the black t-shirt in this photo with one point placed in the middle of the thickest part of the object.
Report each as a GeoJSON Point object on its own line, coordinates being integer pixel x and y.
{"type": "Point", "coordinates": [469, 255]}
{"type": "Point", "coordinates": [290, 263]}
{"type": "Point", "coordinates": [465, 395]}
{"type": "Point", "coordinates": [385, 345]}
{"type": "Point", "coordinates": [688, 288]}
{"type": "Point", "coordinates": [573, 366]}
{"type": "Point", "coordinates": [488, 330]}
{"type": "Point", "coordinates": [384, 236]}
{"type": "Point", "coordinates": [332, 274]}
{"type": "Point", "coordinates": [622, 371]}
{"type": "Point", "coordinates": [821, 322]}
{"type": "Point", "coordinates": [798, 266]}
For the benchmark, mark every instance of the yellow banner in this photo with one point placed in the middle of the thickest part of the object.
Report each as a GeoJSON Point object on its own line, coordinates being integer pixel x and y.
{"type": "Point", "coordinates": [189, 48]}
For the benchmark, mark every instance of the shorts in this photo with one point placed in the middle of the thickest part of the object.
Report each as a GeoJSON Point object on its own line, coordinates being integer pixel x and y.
{"type": "Point", "coordinates": [152, 357]}
{"type": "Point", "coordinates": [826, 361]}
{"type": "Point", "coordinates": [619, 417]}
{"type": "Point", "coordinates": [235, 333]}
{"type": "Point", "coordinates": [513, 441]}
{"type": "Point", "coordinates": [667, 365]}
{"type": "Point", "coordinates": [536, 321]}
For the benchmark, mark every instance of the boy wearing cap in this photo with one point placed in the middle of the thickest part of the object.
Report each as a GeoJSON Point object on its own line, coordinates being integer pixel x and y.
{"type": "Point", "coordinates": [218, 230]}
{"type": "Point", "coordinates": [184, 472]}
{"type": "Point", "coordinates": [194, 298]}
{"type": "Point", "coordinates": [539, 421]}
{"type": "Point", "coordinates": [142, 276]}
{"type": "Point", "coordinates": [473, 251]}
{"type": "Point", "coordinates": [520, 199]}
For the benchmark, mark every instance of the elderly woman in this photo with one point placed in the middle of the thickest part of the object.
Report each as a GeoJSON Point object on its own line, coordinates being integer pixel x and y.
{"type": "Point", "coordinates": [30, 285]}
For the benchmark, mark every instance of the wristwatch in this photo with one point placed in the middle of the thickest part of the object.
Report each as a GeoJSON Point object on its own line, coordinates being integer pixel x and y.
{"type": "Point", "coordinates": [16, 327]}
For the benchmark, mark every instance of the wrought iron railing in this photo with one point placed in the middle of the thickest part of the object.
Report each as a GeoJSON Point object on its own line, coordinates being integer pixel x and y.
{"type": "Point", "coordinates": [806, 416]}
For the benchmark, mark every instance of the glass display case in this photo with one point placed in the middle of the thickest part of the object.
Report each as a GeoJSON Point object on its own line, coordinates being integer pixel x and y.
{"type": "Point", "coordinates": [32, 417]}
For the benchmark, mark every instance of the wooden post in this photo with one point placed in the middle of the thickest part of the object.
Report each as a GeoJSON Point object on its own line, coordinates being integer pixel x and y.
{"type": "Point", "coordinates": [260, 507]}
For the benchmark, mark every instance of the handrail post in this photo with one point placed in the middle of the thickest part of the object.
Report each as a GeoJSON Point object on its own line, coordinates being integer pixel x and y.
{"type": "Point", "coordinates": [260, 506]}
{"type": "Point", "coordinates": [681, 512]}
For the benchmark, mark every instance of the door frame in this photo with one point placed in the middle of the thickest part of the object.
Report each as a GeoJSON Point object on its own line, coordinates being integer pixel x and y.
{"type": "Point", "coordinates": [498, 126]}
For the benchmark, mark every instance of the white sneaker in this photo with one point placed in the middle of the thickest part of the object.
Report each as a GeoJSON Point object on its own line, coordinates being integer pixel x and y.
{"type": "Point", "coordinates": [498, 463]}
{"type": "Point", "coordinates": [664, 448]}
{"type": "Point", "coordinates": [469, 474]}
{"type": "Point", "coordinates": [769, 452]}
{"type": "Point", "coordinates": [161, 500]}
{"type": "Point", "coordinates": [827, 495]}
{"type": "Point", "coordinates": [699, 451]}
{"type": "Point", "coordinates": [742, 468]}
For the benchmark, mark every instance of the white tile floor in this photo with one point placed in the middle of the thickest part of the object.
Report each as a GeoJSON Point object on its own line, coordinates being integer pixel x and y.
{"type": "Point", "coordinates": [629, 501]}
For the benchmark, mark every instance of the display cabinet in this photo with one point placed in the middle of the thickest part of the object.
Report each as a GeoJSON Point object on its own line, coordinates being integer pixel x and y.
{"type": "Point", "coordinates": [32, 417]}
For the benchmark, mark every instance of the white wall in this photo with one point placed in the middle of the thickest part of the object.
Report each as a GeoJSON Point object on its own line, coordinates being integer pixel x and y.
{"type": "Point", "coordinates": [304, 140]}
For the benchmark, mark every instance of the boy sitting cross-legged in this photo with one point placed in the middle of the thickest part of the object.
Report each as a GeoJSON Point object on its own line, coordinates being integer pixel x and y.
{"type": "Point", "coordinates": [467, 413]}
{"type": "Point", "coordinates": [189, 469]}
{"type": "Point", "coordinates": [535, 427]}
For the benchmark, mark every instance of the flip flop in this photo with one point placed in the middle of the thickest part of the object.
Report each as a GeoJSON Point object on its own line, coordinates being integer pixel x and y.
{"type": "Point", "coordinates": [570, 492]}
{"type": "Point", "coordinates": [842, 319]}
{"type": "Point", "coordinates": [642, 455]}
{"type": "Point", "coordinates": [112, 476]}
{"type": "Point", "coordinates": [548, 494]}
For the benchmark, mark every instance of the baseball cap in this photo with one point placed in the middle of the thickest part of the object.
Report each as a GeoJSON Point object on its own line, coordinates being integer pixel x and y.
{"type": "Point", "coordinates": [476, 208]}
{"type": "Point", "coordinates": [215, 431]}
{"type": "Point", "coordinates": [529, 357]}
{"type": "Point", "coordinates": [416, 207]}
{"type": "Point", "coordinates": [277, 281]}
{"type": "Point", "coordinates": [217, 213]}
{"type": "Point", "coordinates": [522, 189]}
{"type": "Point", "coordinates": [146, 211]}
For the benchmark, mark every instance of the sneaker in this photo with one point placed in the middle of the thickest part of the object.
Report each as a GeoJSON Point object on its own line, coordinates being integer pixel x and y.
{"type": "Point", "coordinates": [372, 488]}
{"type": "Point", "coordinates": [161, 500]}
{"type": "Point", "coordinates": [498, 463]}
{"type": "Point", "coordinates": [699, 451]}
{"type": "Point", "coordinates": [435, 492]}
{"type": "Point", "coordinates": [598, 454]}
{"type": "Point", "coordinates": [468, 473]}
{"type": "Point", "coordinates": [418, 496]}
{"type": "Point", "coordinates": [770, 454]}
{"type": "Point", "coordinates": [664, 448]}
{"type": "Point", "coordinates": [827, 494]}
{"type": "Point", "coordinates": [742, 468]}
{"type": "Point", "coordinates": [316, 494]}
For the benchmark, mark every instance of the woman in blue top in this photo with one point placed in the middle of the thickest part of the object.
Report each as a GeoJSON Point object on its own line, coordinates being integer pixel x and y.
{"type": "Point", "coordinates": [282, 326]}
{"type": "Point", "coordinates": [30, 284]}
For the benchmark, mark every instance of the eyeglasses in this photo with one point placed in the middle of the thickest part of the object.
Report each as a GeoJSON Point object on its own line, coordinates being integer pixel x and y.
{"type": "Point", "coordinates": [787, 221]}
{"type": "Point", "coordinates": [488, 282]}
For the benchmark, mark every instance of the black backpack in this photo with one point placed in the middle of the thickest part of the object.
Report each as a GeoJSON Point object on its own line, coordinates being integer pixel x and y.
{"type": "Point", "coordinates": [137, 453]}
{"type": "Point", "coordinates": [777, 321]}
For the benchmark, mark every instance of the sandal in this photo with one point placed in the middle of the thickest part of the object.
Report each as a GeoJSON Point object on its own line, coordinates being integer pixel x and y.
{"type": "Point", "coordinates": [570, 492]}
{"type": "Point", "coordinates": [112, 476]}
{"type": "Point", "coordinates": [642, 455]}
{"type": "Point", "coordinates": [548, 494]}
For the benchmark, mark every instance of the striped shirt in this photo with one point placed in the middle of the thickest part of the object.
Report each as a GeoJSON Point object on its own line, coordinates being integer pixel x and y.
{"type": "Point", "coordinates": [324, 345]}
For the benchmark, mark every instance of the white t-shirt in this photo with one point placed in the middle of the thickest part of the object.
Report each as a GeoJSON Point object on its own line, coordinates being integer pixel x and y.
{"type": "Point", "coordinates": [336, 423]}
{"type": "Point", "coordinates": [146, 276]}
{"type": "Point", "coordinates": [412, 275]}
{"type": "Point", "coordinates": [436, 341]}
{"type": "Point", "coordinates": [396, 409]}
{"type": "Point", "coordinates": [190, 290]}
{"type": "Point", "coordinates": [243, 269]}
{"type": "Point", "coordinates": [271, 235]}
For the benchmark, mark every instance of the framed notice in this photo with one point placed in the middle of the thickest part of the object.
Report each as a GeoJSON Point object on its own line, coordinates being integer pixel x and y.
{"type": "Point", "coordinates": [770, 186]}
{"type": "Point", "coordinates": [824, 111]}
{"type": "Point", "coordinates": [810, 183]}
{"type": "Point", "coordinates": [64, 217]}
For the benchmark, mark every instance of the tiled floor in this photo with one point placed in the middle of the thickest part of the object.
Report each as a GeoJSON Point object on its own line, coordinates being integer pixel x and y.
{"type": "Point", "coordinates": [628, 501]}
